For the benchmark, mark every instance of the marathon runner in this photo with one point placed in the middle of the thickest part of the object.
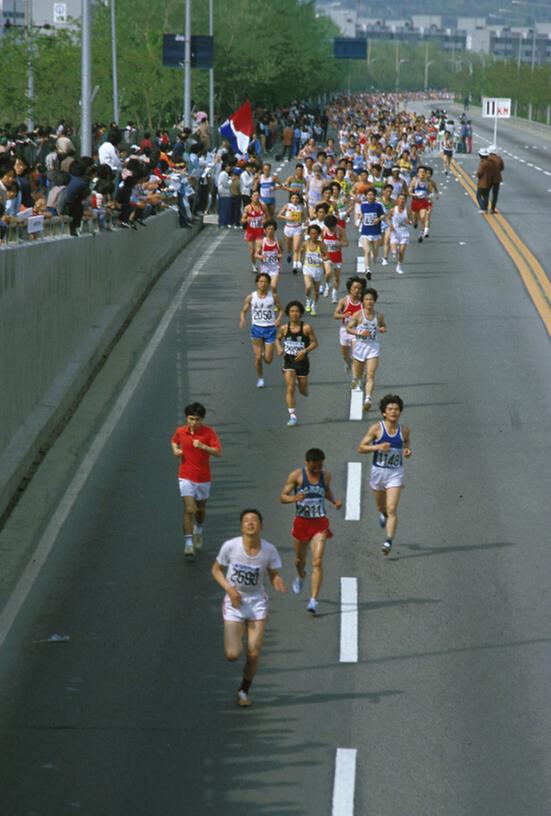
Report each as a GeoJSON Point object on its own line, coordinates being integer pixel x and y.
{"type": "Point", "coordinates": [390, 444]}
{"type": "Point", "coordinates": [314, 263]}
{"type": "Point", "coordinates": [372, 214]}
{"type": "Point", "coordinates": [267, 185]}
{"type": "Point", "coordinates": [293, 213]}
{"type": "Point", "coordinates": [269, 254]}
{"type": "Point", "coordinates": [308, 487]}
{"type": "Point", "coordinates": [253, 218]}
{"type": "Point", "coordinates": [420, 190]}
{"type": "Point", "coordinates": [246, 559]}
{"type": "Point", "coordinates": [194, 443]}
{"type": "Point", "coordinates": [399, 219]}
{"type": "Point", "coordinates": [347, 307]}
{"type": "Point", "coordinates": [363, 326]}
{"type": "Point", "coordinates": [263, 304]}
{"type": "Point", "coordinates": [334, 239]}
{"type": "Point", "coordinates": [295, 340]}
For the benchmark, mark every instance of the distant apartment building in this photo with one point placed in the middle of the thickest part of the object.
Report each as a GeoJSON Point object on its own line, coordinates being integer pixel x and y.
{"type": "Point", "coordinates": [477, 34]}
{"type": "Point", "coordinates": [38, 13]}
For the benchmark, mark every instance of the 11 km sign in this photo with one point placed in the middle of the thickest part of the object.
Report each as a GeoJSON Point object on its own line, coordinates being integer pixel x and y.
{"type": "Point", "coordinates": [498, 108]}
{"type": "Point", "coordinates": [495, 109]}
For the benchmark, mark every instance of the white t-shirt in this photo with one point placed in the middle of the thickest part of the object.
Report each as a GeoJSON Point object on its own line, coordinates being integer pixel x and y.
{"type": "Point", "coordinates": [246, 572]}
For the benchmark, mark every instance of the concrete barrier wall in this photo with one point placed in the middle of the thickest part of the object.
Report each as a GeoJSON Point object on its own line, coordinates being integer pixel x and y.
{"type": "Point", "coordinates": [61, 305]}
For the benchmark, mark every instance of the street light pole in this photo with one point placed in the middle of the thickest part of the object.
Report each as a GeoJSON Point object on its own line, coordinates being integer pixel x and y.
{"type": "Point", "coordinates": [114, 62]}
{"type": "Point", "coordinates": [211, 70]}
{"type": "Point", "coordinates": [187, 66]}
{"type": "Point", "coordinates": [86, 82]}
{"type": "Point", "coordinates": [30, 68]}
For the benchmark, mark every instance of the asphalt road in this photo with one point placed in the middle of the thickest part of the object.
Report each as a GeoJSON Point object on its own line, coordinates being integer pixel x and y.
{"type": "Point", "coordinates": [525, 195]}
{"type": "Point", "coordinates": [448, 705]}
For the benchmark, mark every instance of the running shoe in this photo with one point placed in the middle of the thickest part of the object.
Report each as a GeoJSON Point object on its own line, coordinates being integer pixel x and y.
{"type": "Point", "coordinates": [298, 583]}
{"type": "Point", "coordinates": [313, 310]}
{"type": "Point", "coordinates": [355, 385]}
{"type": "Point", "coordinates": [322, 288]}
{"type": "Point", "coordinates": [368, 274]}
{"type": "Point", "coordinates": [334, 297]}
{"type": "Point", "coordinates": [420, 239]}
{"type": "Point", "coordinates": [386, 548]}
{"type": "Point", "coordinates": [399, 270]}
{"type": "Point", "coordinates": [292, 421]}
{"type": "Point", "coordinates": [242, 699]}
{"type": "Point", "coordinates": [295, 270]}
{"type": "Point", "coordinates": [384, 262]}
{"type": "Point", "coordinates": [260, 383]}
{"type": "Point", "coordinates": [326, 290]}
{"type": "Point", "coordinates": [426, 234]}
{"type": "Point", "coordinates": [189, 551]}
{"type": "Point", "coordinates": [308, 307]}
{"type": "Point", "coordinates": [312, 606]}
{"type": "Point", "coordinates": [382, 519]}
{"type": "Point", "coordinates": [197, 539]}
{"type": "Point", "coordinates": [367, 403]}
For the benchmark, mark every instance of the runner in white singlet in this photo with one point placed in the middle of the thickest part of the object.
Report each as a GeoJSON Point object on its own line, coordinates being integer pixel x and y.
{"type": "Point", "coordinates": [364, 326]}
{"type": "Point", "coordinates": [240, 568]}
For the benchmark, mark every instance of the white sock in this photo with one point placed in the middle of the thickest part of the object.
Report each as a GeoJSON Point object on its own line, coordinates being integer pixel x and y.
{"type": "Point", "coordinates": [292, 411]}
{"type": "Point", "coordinates": [188, 541]}
{"type": "Point", "coordinates": [197, 528]}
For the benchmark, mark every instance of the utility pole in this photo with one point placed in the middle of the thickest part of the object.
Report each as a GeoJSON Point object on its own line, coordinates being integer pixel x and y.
{"type": "Point", "coordinates": [86, 82]}
{"type": "Point", "coordinates": [30, 68]}
{"type": "Point", "coordinates": [211, 70]}
{"type": "Point", "coordinates": [187, 66]}
{"type": "Point", "coordinates": [114, 62]}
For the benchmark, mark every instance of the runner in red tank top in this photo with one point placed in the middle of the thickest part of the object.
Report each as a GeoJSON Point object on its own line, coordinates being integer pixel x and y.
{"type": "Point", "coordinates": [334, 239]}
{"type": "Point", "coordinates": [346, 308]}
{"type": "Point", "coordinates": [253, 219]}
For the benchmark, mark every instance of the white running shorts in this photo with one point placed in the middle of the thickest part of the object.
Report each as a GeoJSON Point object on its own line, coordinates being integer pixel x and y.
{"type": "Point", "coordinates": [290, 230]}
{"type": "Point", "coordinates": [399, 238]}
{"type": "Point", "coordinates": [345, 339]}
{"type": "Point", "coordinates": [252, 607]}
{"type": "Point", "coordinates": [200, 491]}
{"type": "Point", "coordinates": [314, 272]}
{"type": "Point", "coordinates": [369, 239]}
{"type": "Point", "coordinates": [383, 478]}
{"type": "Point", "coordinates": [363, 351]}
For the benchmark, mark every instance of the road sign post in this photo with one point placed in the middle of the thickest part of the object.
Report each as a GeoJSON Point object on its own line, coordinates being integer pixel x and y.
{"type": "Point", "coordinates": [496, 108]}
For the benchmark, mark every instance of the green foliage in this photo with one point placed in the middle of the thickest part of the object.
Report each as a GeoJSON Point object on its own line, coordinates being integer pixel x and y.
{"type": "Point", "coordinates": [270, 52]}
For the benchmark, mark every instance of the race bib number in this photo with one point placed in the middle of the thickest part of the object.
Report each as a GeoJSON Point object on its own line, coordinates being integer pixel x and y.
{"type": "Point", "coordinates": [262, 314]}
{"type": "Point", "coordinates": [244, 575]}
{"type": "Point", "coordinates": [391, 458]}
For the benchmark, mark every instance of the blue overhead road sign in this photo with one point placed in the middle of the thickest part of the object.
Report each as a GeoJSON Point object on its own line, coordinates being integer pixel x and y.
{"type": "Point", "coordinates": [349, 48]}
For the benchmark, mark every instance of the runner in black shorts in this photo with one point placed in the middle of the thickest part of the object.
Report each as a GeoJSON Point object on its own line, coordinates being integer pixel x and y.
{"type": "Point", "coordinates": [295, 340]}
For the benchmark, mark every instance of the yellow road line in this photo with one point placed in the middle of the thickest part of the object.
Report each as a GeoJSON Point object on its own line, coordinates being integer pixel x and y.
{"type": "Point", "coordinates": [532, 273]}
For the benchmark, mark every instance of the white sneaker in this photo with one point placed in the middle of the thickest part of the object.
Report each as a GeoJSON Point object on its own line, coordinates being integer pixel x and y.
{"type": "Point", "coordinates": [260, 383]}
{"type": "Point", "coordinates": [334, 297]}
{"type": "Point", "coordinates": [312, 606]}
{"type": "Point", "coordinates": [367, 403]}
{"type": "Point", "coordinates": [188, 550]}
{"type": "Point", "coordinates": [399, 270]}
{"type": "Point", "coordinates": [384, 262]}
{"type": "Point", "coordinates": [386, 548]}
{"type": "Point", "coordinates": [292, 421]}
{"type": "Point", "coordinates": [313, 310]}
{"type": "Point", "coordinates": [297, 585]}
{"type": "Point", "coordinates": [326, 290]}
{"type": "Point", "coordinates": [243, 700]}
{"type": "Point", "coordinates": [197, 539]}
{"type": "Point", "coordinates": [322, 288]}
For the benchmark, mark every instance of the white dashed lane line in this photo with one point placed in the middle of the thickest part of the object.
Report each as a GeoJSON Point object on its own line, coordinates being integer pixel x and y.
{"type": "Point", "coordinates": [352, 510]}
{"type": "Point", "coordinates": [345, 782]}
{"type": "Point", "coordinates": [356, 405]}
{"type": "Point", "coordinates": [349, 620]}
